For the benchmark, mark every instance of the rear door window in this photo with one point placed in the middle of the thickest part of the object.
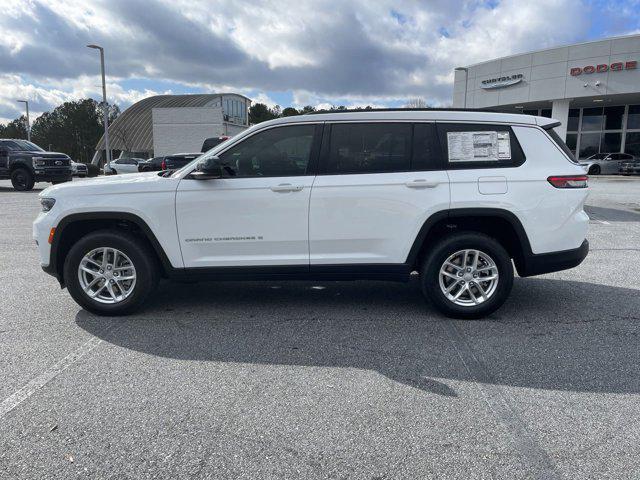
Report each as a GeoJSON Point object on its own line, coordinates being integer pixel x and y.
{"type": "Point", "coordinates": [368, 148]}
{"type": "Point", "coordinates": [471, 145]}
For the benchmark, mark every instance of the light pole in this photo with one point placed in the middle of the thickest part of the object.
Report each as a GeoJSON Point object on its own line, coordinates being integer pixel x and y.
{"type": "Point", "coordinates": [466, 80]}
{"type": "Point", "coordinates": [105, 106]}
{"type": "Point", "coordinates": [26, 102]}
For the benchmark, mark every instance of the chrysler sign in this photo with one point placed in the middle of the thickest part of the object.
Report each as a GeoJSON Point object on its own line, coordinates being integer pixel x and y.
{"type": "Point", "coordinates": [501, 82]}
{"type": "Point", "coordinates": [604, 67]}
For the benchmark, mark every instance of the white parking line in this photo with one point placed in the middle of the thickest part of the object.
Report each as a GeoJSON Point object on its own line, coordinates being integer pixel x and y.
{"type": "Point", "coordinates": [45, 377]}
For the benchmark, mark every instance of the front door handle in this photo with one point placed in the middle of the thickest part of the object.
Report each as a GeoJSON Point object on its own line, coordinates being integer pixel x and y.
{"type": "Point", "coordinates": [286, 187]}
{"type": "Point", "coordinates": [421, 183]}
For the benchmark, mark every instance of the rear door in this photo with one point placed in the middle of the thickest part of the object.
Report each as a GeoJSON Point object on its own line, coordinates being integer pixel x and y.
{"type": "Point", "coordinates": [377, 184]}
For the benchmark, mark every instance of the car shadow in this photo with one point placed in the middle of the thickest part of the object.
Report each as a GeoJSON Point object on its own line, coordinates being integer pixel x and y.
{"type": "Point", "coordinates": [611, 214]}
{"type": "Point", "coordinates": [551, 334]}
{"type": "Point", "coordinates": [11, 189]}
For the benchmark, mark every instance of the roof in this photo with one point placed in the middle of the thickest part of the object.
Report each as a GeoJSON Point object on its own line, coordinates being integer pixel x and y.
{"type": "Point", "coordinates": [134, 126]}
{"type": "Point", "coordinates": [619, 37]}
{"type": "Point", "coordinates": [414, 115]}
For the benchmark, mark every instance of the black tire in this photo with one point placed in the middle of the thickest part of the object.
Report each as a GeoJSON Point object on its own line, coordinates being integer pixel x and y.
{"type": "Point", "coordinates": [430, 274]}
{"type": "Point", "coordinates": [594, 170]}
{"type": "Point", "coordinates": [142, 257]}
{"type": "Point", "coordinates": [22, 179]}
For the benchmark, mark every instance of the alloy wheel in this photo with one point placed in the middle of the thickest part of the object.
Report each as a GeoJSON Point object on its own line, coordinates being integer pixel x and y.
{"type": "Point", "coordinates": [468, 277]}
{"type": "Point", "coordinates": [107, 275]}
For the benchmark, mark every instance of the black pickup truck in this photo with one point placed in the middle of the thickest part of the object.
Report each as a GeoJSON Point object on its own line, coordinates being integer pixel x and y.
{"type": "Point", "coordinates": [26, 163]}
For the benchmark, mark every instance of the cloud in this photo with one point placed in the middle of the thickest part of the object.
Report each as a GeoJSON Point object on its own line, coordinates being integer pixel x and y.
{"type": "Point", "coordinates": [352, 53]}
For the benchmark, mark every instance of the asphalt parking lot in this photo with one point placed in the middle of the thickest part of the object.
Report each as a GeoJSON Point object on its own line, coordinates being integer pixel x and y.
{"type": "Point", "coordinates": [331, 380]}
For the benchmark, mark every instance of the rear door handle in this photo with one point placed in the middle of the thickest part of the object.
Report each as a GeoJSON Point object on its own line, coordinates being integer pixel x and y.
{"type": "Point", "coordinates": [286, 187]}
{"type": "Point", "coordinates": [421, 183]}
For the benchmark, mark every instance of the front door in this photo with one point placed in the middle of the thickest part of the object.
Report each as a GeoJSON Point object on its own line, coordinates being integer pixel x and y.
{"type": "Point", "coordinates": [258, 215]}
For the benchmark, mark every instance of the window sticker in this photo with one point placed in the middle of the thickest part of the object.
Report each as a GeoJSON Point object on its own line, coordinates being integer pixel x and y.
{"type": "Point", "coordinates": [484, 146]}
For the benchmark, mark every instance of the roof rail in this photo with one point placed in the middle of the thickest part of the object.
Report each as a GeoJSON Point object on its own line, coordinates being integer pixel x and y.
{"type": "Point", "coordinates": [360, 110]}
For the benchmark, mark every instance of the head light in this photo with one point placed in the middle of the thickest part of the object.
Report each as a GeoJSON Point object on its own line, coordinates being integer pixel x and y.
{"type": "Point", "coordinates": [47, 203]}
{"type": "Point", "coordinates": [38, 162]}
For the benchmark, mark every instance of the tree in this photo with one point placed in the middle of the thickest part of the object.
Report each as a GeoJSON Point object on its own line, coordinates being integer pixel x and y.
{"type": "Point", "coordinates": [15, 128]}
{"type": "Point", "coordinates": [73, 128]}
{"type": "Point", "coordinates": [307, 109]}
{"type": "Point", "coordinates": [259, 112]}
{"type": "Point", "coordinates": [290, 112]}
{"type": "Point", "coordinates": [417, 103]}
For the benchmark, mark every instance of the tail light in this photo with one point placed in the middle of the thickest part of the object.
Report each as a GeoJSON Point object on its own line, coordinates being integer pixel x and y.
{"type": "Point", "coordinates": [163, 165]}
{"type": "Point", "coordinates": [569, 181]}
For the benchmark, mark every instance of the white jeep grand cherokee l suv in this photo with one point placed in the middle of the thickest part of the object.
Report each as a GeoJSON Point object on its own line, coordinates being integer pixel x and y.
{"type": "Point", "coordinates": [458, 196]}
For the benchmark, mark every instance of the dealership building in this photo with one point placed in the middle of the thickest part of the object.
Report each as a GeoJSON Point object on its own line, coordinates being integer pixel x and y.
{"type": "Point", "coordinates": [592, 88]}
{"type": "Point", "coordinates": [166, 124]}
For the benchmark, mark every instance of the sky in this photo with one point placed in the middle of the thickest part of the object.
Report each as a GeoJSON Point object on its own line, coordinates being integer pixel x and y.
{"type": "Point", "coordinates": [286, 52]}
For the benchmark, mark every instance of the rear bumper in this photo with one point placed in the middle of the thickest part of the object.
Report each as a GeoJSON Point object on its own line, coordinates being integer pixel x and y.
{"type": "Point", "coordinates": [537, 264]}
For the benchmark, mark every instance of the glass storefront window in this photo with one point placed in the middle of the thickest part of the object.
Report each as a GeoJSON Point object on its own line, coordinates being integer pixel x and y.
{"type": "Point", "coordinates": [574, 116]}
{"type": "Point", "coordinates": [592, 119]}
{"type": "Point", "coordinates": [613, 118]}
{"type": "Point", "coordinates": [589, 144]}
{"type": "Point", "coordinates": [633, 120]}
{"type": "Point", "coordinates": [632, 144]}
{"type": "Point", "coordinates": [545, 112]}
{"type": "Point", "coordinates": [611, 142]}
{"type": "Point", "coordinates": [572, 141]}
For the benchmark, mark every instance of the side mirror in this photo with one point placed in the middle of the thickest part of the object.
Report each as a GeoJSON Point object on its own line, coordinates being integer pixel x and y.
{"type": "Point", "coordinates": [208, 168]}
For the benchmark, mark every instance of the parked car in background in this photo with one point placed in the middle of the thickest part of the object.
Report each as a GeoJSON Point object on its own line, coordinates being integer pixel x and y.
{"type": "Point", "coordinates": [26, 163]}
{"type": "Point", "coordinates": [79, 169]}
{"type": "Point", "coordinates": [630, 166]}
{"type": "Point", "coordinates": [122, 165]}
{"type": "Point", "coordinates": [209, 143]}
{"type": "Point", "coordinates": [179, 160]}
{"type": "Point", "coordinates": [604, 163]}
{"type": "Point", "coordinates": [152, 165]}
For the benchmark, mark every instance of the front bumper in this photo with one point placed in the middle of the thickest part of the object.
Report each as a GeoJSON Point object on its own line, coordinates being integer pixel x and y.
{"type": "Point", "coordinates": [537, 264]}
{"type": "Point", "coordinates": [53, 174]}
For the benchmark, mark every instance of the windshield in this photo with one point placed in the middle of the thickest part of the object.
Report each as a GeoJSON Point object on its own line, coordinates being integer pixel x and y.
{"type": "Point", "coordinates": [598, 156]}
{"type": "Point", "coordinates": [22, 146]}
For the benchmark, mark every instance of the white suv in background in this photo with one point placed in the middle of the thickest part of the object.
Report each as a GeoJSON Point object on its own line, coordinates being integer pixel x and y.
{"type": "Point", "coordinates": [458, 196]}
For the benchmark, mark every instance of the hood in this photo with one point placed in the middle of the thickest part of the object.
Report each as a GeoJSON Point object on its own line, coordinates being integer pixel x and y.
{"type": "Point", "coordinates": [37, 153]}
{"type": "Point", "coordinates": [127, 183]}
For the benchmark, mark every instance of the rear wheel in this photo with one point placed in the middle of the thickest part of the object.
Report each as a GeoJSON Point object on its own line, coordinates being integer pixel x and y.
{"type": "Point", "coordinates": [110, 273]}
{"type": "Point", "coordinates": [594, 170]}
{"type": "Point", "coordinates": [22, 179]}
{"type": "Point", "coordinates": [467, 275]}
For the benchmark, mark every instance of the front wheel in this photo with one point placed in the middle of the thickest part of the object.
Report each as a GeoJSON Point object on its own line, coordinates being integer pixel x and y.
{"type": "Point", "coordinates": [594, 170]}
{"type": "Point", "coordinates": [467, 275]}
{"type": "Point", "coordinates": [22, 179]}
{"type": "Point", "coordinates": [110, 273]}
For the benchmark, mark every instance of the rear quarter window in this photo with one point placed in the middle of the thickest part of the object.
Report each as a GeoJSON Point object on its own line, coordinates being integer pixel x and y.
{"type": "Point", "coordinates": [562, 145]}
{"type": "Point", "coordinates": [475, 145]}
